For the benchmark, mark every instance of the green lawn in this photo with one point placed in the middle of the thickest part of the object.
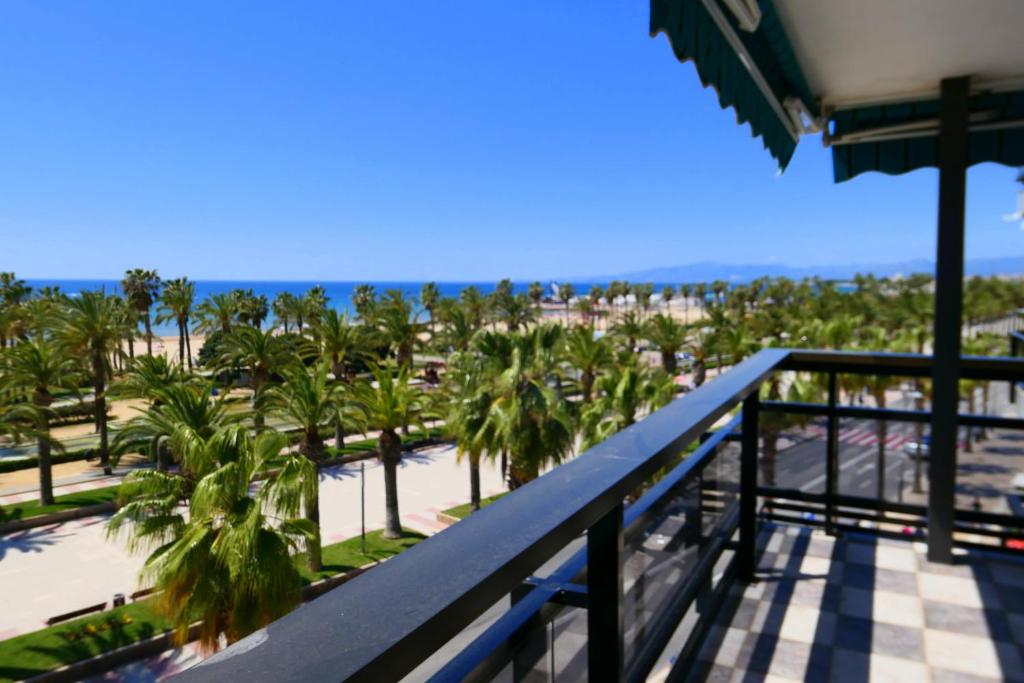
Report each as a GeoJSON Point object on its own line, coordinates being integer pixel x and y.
{"type": "Point", "coordinates": [347, 555]}
{"type": "Point", "coordinates": [68, 502]}
{"type": "Point", "coordinates": [49, 648]}
{"type": "Point", "coordinates": [462, 511]}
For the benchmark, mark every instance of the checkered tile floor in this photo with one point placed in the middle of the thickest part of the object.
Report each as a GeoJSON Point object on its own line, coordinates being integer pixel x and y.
{"type": "Point", "coordinates": [862, 608]}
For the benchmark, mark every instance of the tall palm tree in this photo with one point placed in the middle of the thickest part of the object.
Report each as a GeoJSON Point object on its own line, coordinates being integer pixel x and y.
{"type": "Point", "coordinates": [311, 401]}
{"type": "Point", "coordinates": [587, 354]}
{"type": "Point", "coordinates": [430, 297]}
{"type": "Point", "coordinates": [466, 392]}
{"type": "Point", "coordinates": [530, 421]}
{"type": "Point", "coordinates": [340, 345]}
{"type": "Point", "coordinates": [283, 309]}
{"type": "Point", "coordinates": [261, 354]}
{"type": "Point", "coordinates": [566, 293]}
{"type": "Point", "coordinates": [399, 326]}
{"type": "Point", "coordinates": [90, 327]}
{"type": "Point", "coordinates": [141, 289]}
{"type": "Point", "coordinates": [37, 367]}
{"type": "Point", "coordinates": [388, 404]}
{"type": "Point", "coordinates": [364, 299]}
{"type": "Point", "coordinates": [669, 335]}
{"type": "Point", "coordinates": [228, 563]}
{"type": "Point", "coordinates": [217, 313]}
{"type": "Point", "coordinates": [535, 292]}
{"type": "Point", "coordinates": [176, 304]}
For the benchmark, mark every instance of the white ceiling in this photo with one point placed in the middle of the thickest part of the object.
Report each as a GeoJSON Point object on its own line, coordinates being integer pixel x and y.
{"type": "Point", "coordinates": [860, 51]}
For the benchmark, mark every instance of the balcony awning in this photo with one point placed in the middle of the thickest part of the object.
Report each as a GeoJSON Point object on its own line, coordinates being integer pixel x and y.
{"type": "Point", "coordinates": [864, 73]}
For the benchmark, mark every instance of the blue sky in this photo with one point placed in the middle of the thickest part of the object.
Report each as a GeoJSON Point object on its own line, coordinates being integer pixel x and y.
{"type": "Point", "coordinates": [408, 140]}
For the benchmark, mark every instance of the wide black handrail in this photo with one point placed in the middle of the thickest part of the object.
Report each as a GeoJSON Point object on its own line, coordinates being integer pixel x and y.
{"type": "Point", "coordinates": [381, 625]}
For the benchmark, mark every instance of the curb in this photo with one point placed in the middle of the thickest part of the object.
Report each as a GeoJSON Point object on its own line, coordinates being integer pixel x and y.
{"type": "Point", "coordinates": [56, 517]}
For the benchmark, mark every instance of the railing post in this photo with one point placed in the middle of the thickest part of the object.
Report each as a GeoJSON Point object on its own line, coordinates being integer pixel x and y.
{"type": "Point", "coordinates": [1014, 350]}
{"type": "Point", "coordinates": [605, 631]}
{"type": "Point", "coordinates": [746, 554]}
{"type": "Point", "coordinates": [831, 455]}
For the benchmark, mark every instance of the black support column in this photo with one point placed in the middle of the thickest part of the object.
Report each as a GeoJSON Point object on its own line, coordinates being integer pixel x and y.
{"type": "Point", "coordinates": [949, 275]}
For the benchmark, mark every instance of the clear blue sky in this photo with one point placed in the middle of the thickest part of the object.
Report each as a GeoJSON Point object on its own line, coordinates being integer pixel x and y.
{"type": "Point", "coordinates": [410, 140]}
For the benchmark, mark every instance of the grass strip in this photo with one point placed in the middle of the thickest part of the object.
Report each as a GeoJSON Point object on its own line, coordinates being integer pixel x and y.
{"type": "Point", "coordinates": [462, 511]}
{"type": "Point", "coordinates": [70, 501]}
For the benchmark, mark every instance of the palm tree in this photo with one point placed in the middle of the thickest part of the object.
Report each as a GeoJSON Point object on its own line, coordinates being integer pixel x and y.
{"type": "Point", "coordinates": [684, 294]}
{"type": "Point", "coordinates": [228, 564]}
{"type": "Point", "coordinates": [474, 305]}
{"type": "Point", "coordinates": [37, 367]}
{"type": "Point", "coordinates": [340, 345]}
{"type": "Point", "coordinates": [176, 304]}
{"type": "Point", "coordinates": [261, 354]}
{"type": "Point", "coordinates": [147, 375]}
{"type": "Point", "coordinates": [141, 289]}
{"type": "Point", "coordinates": [587, 354]}
{"type": "Point", "coordinates": [566, 293]}
{"type": "Point", "coordinates": [430, 296]}
{"type": "Point", "coordinates": [90, 327]}
{"type": "Point", "coordinates": [458, 328]}
{"type": "Point", "coordinates": [669, 335]}
{"type": "Point", "coordinates": [630, 329]}
{"type": "Point", "coordinates": [700, 345]}
{"type": "Point", "coordinates": [217, 313]}
{"type": "Point", "coordinates": [516, 311]}
{"type": "Point", "coordinates": [530, 421]}
{"type": "Point", "coordinates": [311, 401]}
{"type": "Point", "coordinates": [399, 326]}
{"type": "Point", "coordinates": [535, 292]}
{"type": "Point", "coordinates": [364, 299]}
{"type": "Point", "coordinates": [625, 393]}
{"type": "Point", "coordinates": [387, 404]}
{"type": "Point", "coordinates": [466, 391]}
{"type": "Point", "coordinates": [179, 413]}
{"type": "Point", "coordinates": [283, 308]}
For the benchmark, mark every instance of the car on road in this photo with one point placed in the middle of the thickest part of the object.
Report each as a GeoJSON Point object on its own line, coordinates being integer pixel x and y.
{"type": "Point", "coordinates": [922, 447]}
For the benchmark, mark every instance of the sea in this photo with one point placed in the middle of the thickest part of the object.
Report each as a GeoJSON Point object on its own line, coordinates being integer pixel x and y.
{"type": "Point", "coordinates": [339, 294]}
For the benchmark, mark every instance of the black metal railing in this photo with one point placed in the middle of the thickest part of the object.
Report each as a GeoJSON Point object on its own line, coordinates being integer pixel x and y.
{"type": "Point", "coordinates": [575, 574]}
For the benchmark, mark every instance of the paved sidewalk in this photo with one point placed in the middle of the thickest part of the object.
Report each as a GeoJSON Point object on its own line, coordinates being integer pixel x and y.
{"type": "Point", "coordinates": [55, 569]}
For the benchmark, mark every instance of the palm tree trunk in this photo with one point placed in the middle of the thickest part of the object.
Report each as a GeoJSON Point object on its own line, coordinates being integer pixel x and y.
{"type": "Point", "coordinates": [389, 446]}
{"type": "Point", "coordinates": [45, 466]}
{"type": "Point", "coordinates": [313, 548]}
{"type": "Point", "coordinates": [188, 345]}
{"type": "Point", "coordinates": [131, 346]}
{"type": "Point", "coordinates": [149, 333]}
{"type": "Point", "coordinates": [504, 467]}
{"type": "Point", "coordinates": [339, 433]}
{"type": "Point", "coordinates": [668, 361]}
{"type": "Point", "coordinates": [474, 484]}
{"type": "Point", "coordinates": [181, 343]}
{"type": "Point", "coordinates": [100, 404]}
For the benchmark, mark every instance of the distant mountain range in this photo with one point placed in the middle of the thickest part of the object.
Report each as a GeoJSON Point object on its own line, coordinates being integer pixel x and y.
{"type": "Point", "coordinates": [708, 271]}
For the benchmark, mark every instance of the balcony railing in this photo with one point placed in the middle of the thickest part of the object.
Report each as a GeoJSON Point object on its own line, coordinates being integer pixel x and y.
{"type": "Point", "coordinates": [577, 575]}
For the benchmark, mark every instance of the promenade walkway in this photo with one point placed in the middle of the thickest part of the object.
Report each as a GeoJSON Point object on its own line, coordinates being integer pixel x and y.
{"type": "Point", "coordinates": [51, 570]}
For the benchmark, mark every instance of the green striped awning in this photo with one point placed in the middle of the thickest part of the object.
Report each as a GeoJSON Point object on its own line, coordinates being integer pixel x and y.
{"type": "Point", "coordinates": [758, 74]}
{"type": "Point", "coordinates": [907, 149]}
{"type": "Point", "coordinates": [695, 37]}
